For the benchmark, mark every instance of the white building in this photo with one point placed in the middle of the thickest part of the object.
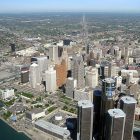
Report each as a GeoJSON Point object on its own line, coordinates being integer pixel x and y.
{"type": "Point", "coordinates": [35, 113]}
{"type": "Point", "coordinates": [96, 53]}
{"type": "Point", "coordinates": [8, 93]}
{"type": "Point", "coordinates": [27, 52]}
{"type": "Point", "coordinates": [50, 79]}
{"type": "Point", "coordinates": [34, 76]}
{"type": "Point", "coordinates": [91, 76]}
{"type": "Point", "coordinates": [106, 71]}
{"type": "Point", "coordinates": [128, 52]}
{"type": "Point", "coordinates": [124, 72]}
{"type": "Point", "coordinates": [118, 80]}
{"type": "Point", "coordinates": [131, 75]}
{"type": "Point", "coordinates": [113, 70]}
{"type": "Point", "coordinates": [131, 61]}
{"type": "Point", "coordinates": [42, 63]}
{"type": "Point", "coordinates": [53, 53]}
{"type": "Point", "coordinates": [129, 78]}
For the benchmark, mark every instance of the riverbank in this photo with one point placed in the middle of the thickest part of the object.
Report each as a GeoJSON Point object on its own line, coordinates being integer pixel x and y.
{"type": "Point", "coordinates": [13, 134]}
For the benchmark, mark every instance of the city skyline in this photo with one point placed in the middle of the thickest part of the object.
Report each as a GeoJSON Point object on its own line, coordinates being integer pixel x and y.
{"type": "Point", "coordinates": [25, 6]}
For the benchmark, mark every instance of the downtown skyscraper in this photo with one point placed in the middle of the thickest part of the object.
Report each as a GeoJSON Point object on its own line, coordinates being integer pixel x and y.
{"type": "Point", "coordinates": [78, 71]}
{"type": "Point", "coordinates": [85, 120]}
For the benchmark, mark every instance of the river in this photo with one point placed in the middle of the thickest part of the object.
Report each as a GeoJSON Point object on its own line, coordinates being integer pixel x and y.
{"type": "Point", "coordinates": [8, 133]}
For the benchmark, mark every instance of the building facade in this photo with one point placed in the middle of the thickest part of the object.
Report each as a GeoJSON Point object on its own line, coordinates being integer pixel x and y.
{"type": "Point", "coordinates": [78, 71]}
{"type": "Point", "coordinates": [61, 73]}
{"type": "Point", "coordinates": [91, 77]}
{"type": "Point", "coordinates": [115, 123]}
{"type": "Point", "coordinates": [50, 79]}
{"type": "Point", "coordinates": [34, 76]}
{"type": "Point", "coordinates": [128, 105]}
{"type": "Point", "coordinates": [85, 120]}
{"type": "Point", "coordinates": [71, 84]}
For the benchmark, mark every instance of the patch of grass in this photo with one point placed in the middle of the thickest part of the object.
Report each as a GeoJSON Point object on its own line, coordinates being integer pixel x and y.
{"type": "Point", "coordinates": [7, 115]}
{"type": "Point", "coordinates": [28, 95]}
{"type": "Point", "coordinates": [9, 103]}
{"type": "Point", "coordinates": [52, 109]}
{"type": "Point", "coordinates": [38, 106]}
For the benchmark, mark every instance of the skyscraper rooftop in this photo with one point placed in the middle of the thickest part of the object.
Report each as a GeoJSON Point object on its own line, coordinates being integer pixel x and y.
{"type": "Point", "coordinates": [128, 100]}
{"type": "Point", "coordinates": [85, 103]}
{"type": "Point", "coordinates": [116, 113]}
{"type": "Point", "coordinates": [109, 80]}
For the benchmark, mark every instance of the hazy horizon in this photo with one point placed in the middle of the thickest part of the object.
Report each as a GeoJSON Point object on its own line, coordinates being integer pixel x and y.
{"type": "Point", "coordinates": [34, 6]}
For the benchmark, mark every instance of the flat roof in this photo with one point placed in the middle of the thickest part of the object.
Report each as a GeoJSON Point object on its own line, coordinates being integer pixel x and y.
{"type": "Point", "coordinates": [53, 128]}
{"type": "Point", "coordinates": [35, 111]}
{"type": "Point", "coordinates": [85, 103]}
{"type": "Point", "coordinates": [6, 74]}
{"type": "Point", "coordinates": [41, 58]}
{"type": "Point", "coordinates": [128, 100]}
{"type": "Point", "coordinates": [109, 80]}
{"type": "Point", "coordinates": [116, 113]}
{"type": "Point", "coordinates": [34, 65]}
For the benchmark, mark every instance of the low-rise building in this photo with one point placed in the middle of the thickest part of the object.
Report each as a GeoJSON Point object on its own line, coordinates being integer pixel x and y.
{"type": "Point", "coordinates": [7, 93]}
{"type": "Point", "coordinates": [35, 113]}
{"type": "Point", "coordinates": [54, 130]}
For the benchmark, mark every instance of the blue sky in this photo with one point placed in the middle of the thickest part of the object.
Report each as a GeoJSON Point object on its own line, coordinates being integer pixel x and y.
{"type": "Point", "coordinates": [69, 5]}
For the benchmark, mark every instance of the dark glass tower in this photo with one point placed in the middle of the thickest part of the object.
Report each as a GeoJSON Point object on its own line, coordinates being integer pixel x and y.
{"type": "Point", "coordinates": [13, 47]}
{"type": "Point", "coordinates": [97, 110]}
{"type": "Point", "coordinates": [128, 105]}
{"type": "Point", "coordinates": [85, 120]}
{"type": "Point", "coordinates": [114, 125]}
{"type": "Point", "coordinates": [108, 87]}
{"type": "Point", "coordinates": [25, 76]}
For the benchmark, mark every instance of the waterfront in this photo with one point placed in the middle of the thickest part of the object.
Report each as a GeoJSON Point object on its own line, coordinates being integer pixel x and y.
{"type": "Point", "coordinates": [8, 133]}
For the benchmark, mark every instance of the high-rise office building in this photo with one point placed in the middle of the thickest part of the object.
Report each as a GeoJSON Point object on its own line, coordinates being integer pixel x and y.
{"type": "Point", "coordinates": [61, 73]}
{"type": "Point", "coordinates": [87, 49]}
{"type": "Point", "coordinates": [34, 76]}
{"type": "Point", "coordinates": [114, 124]}
{"type": "Point", "coordinates": [108, 87]}
{"type": "Point", "coordinates": [53, 53]}
{"type": "Point", "coordinates": [118, 80]}
{"type": "Point", "coordinates": [96, 53]}
{"type": "Point", "coordinates": [78, 71]}
{"type": "Point", "coordinates": [115, 50]}
{"type": "Point", "coordinates": [71, 84]}
{"type": "Point", "coordinates": [97, 94]}
{"type": "Point", "coordinates": [104, 70]}
{"type": "Point", "coordinates": [91, 77]}
{"type": "Point", "coordinates": [24, 76]}
{"type": "Point", "coordinates": [85, 120]}
{"type": "Point", "coordinates": [128, 105]}
{"type": "Point", "coordinates": [81, 74]}
{"type": "Point", "coordinates": [128, 52]}
{"type": "Point", "coordinates": [92, 62]}
{"type": "Point", "coordinates": [83, 94]}
{"type": "Point", "coordinates": [113, 70]}
{"type": "Point", "coordinates": [13, 47]}
{"type": "Point", "coordinates": [60, 51]}
{"type": "Point", "coordinates": [129, 78]}
{"type": "Point", "coordinates": [42, 63]}
{"type": "Point", "coordinates": [50, 79]}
